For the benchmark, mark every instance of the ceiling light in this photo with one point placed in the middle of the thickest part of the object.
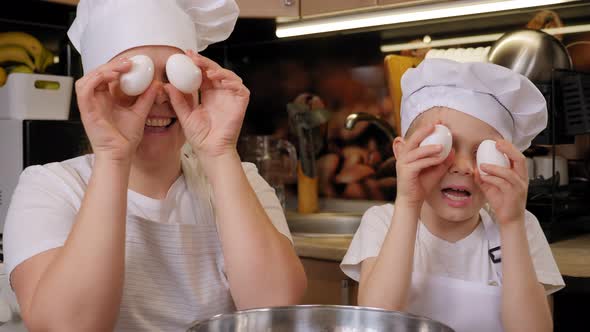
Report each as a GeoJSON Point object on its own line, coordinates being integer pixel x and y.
{"type": "Point", "coordinates": [389, 48]}
{"type": "Point", "coordinates": [404, 15]}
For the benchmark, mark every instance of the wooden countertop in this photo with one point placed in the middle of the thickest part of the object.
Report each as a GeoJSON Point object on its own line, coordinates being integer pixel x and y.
{"type": "Point", "coordinates": [572, 255]}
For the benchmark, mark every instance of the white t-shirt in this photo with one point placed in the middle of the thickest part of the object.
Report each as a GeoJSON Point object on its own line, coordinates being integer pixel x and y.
{"type": "Point", "coordinates": [466, 259]}
{"type": "Point", "coordinates": [174, 269]}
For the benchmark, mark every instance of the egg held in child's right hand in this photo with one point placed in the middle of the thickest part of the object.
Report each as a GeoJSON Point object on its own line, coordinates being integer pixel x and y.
{"type": "Point", "coordinates": [487, 153]}
{"type": "Point", "coordinates": [441, 135]}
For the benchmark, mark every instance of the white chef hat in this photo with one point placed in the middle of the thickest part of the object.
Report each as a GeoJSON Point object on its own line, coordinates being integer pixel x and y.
{"type": "Point", "coordinates": [104, 28]}
{"type": "Point", "coordinates": [496, 95]}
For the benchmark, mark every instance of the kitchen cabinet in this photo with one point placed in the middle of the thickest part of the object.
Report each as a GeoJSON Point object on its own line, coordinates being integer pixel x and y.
{"type": "Point", "coordinates": [268, 8]}
{"type": "Point", "coordinates": [65, 2]}
{"type": "Point", "coordinates": [314, 7]}
{"type": "Point", "coordinates": [296, 8]}
{"type": "Point", "coordinates": [327, 284]}
{"type": "Point", "coordinates": [408, 2]}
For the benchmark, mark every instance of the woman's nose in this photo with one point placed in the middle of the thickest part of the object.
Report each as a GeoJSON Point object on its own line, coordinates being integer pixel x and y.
{"type": "Point", "coordinates": [162, 96]}
{"type": "Point", "coordinates": [463, 164]}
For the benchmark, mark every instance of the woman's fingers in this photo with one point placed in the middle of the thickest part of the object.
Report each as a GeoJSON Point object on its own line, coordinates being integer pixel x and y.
{"type": "Point", "coordinates": [202, 62]}
{"type": "Point", "coordinates": [179, 103]}
{"type": "Point", "coordinates": [236, 87]}
{"type": "Point", "coordinates": [144, 102]}
{"type": "Point", "coordinates": [223, 74]}
{"type": "Point", "coordinates": [96, 81]}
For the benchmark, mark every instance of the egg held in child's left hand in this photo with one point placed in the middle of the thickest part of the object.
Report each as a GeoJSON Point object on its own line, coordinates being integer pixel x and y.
{"type": "Point", "coordinates": [183, 73]}
{"type": "Point", "coordinates": [139, 77]}
{"type": "Point", "coordinates": [487, 153]}
{"type": "Point", "coordinates": [441, 135]}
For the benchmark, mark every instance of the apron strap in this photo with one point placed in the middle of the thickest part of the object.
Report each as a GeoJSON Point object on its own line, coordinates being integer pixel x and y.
{"type": "Point", "coordinates": [494, 247]}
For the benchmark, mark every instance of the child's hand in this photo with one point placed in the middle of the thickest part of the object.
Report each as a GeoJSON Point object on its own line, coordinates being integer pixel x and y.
{"type": "Point", "coordinates": [506, 188]}
{"type": "Point", "coordinates": [412, 160]}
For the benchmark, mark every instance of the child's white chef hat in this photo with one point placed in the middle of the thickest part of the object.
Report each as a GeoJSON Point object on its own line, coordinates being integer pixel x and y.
{"type": "Point", "coordinates": [500, 97]}
{"type": "Point", "coordinates": [104, 28]}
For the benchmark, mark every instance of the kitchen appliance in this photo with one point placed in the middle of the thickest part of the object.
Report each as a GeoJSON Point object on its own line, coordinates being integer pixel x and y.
{"type": "Point", "coordinates": [532, 53]}
{"type": "Point", "coordinates": [318, 318]}
{"type": "Point", "coordinates": [276, 160]}
{"type": "Point", "coordinates": [31, 142]}
{"type": "Point", "coordinates": [544, 168]}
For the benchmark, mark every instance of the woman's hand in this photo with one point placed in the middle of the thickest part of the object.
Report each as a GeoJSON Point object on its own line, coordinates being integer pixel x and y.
{"type": "Point", "coordinates": [114, 131]}
{"type": "Point", "coordinates": [506, 188]}
{"type": "Point", "coordinates": [212, 128]}
{"type": "Point", "coordinates": [412, 160]}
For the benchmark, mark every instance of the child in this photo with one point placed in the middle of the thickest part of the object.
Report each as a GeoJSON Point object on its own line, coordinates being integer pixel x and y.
{"type": "Point", "coordinates": [437, 254]}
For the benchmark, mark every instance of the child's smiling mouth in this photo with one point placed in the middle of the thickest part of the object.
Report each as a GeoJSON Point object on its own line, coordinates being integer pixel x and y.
{"type": "Point", "coordinates": [456, 196]}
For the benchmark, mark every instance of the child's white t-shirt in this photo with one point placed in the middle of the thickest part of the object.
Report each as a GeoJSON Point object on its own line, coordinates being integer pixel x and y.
{"type": "Point", "coordinates": [174, 267]}
{"type": "Point", "coordinates": [466, 259]}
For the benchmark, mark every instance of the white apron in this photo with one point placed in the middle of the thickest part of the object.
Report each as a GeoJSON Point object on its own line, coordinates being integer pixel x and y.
{"type": "Point", "coordinates": [174, 273]}
{"type": "Point", "coordinates": [465, 306]}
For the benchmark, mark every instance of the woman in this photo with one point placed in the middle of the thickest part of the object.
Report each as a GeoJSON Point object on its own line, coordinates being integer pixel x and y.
{"type": "Point", "coordinates": [137, 236]}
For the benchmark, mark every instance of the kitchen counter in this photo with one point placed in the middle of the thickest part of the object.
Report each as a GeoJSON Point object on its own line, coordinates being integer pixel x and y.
{"type": "Point", "coordinates": [572, 255]}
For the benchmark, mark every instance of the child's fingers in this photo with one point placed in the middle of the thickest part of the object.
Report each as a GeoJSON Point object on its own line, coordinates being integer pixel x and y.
{"type": "Point", "coordinates": [502, 172]}
{"type": "Point", "coordinates": [517, 158]}
{"type": "Point", "coordinates": [424, 163]}
{"type": "Point", "coordinates": [422, 152]}
{"type": "Point", "coordinates": [504, 186]}
{"type": "Point", "coordinates": [418, 136]}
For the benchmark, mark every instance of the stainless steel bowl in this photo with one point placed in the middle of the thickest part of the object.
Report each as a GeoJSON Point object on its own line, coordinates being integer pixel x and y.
{"type": "Point", "coordinates": [532, 53]}
{"type": "Point", "coordinates": [324, 318]}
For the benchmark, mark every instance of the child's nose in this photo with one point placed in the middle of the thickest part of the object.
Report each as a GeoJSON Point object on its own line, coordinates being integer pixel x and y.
{"type": "Point", "coordinates": [463, 163]}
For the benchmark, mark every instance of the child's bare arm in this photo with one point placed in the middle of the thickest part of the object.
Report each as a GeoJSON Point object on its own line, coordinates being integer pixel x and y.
{"type": "Point", "coordinates": [524, 304]}
{"type": "Point", "coordinates": [385, 280]}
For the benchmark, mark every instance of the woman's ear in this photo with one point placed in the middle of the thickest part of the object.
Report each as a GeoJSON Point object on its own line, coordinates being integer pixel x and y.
{"type": "Point", "coordinates": [398, 144]}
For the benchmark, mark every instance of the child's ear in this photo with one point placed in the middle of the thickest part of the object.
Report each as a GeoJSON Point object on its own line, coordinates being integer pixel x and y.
{"type": "Point", "coordinates": [398, 144]}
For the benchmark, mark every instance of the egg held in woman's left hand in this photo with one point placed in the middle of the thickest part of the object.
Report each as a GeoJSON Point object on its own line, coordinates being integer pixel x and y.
{"type": "Point", "coordinates": [138, 79]}
{"type": "Point", "coordinates": [183, 73]}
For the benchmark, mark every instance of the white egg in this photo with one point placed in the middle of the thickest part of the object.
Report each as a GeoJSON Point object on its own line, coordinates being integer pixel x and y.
{"type": "Point", "coordinates": [138, 79]}
{"type": "Point", "coordinates": [183, 73]}
{"type": "Point", "coordinates": [441, 135]}
{"type": "Point", "coordinates": [488, 154]}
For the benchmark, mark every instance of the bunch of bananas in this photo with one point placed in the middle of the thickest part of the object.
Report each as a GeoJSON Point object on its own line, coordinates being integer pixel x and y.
{"type": "Point", "coordinates": [21, 52]}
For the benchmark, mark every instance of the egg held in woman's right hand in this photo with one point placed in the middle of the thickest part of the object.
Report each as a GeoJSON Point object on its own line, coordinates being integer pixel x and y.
{"type": "Point", "coordinates": [139, 77]}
